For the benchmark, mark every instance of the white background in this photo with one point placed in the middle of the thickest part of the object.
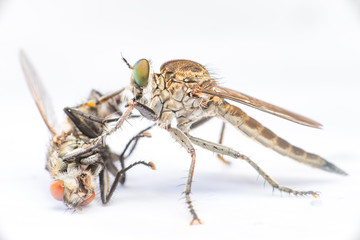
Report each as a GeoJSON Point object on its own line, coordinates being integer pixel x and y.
{"type": "Point", "coordinates": [302, 55]}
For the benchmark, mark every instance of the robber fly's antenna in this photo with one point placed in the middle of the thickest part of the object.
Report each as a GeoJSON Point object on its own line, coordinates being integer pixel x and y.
{"type": "Point", "coordinates": [126, 62]}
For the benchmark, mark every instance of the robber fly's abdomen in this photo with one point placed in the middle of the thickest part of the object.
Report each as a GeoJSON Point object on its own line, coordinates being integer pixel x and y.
{"type": "Point", "coordinates": [266, 137]}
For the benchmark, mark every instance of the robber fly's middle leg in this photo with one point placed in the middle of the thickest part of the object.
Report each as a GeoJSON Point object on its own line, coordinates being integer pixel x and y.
{"type": "Point", "coordinates": [223, 150]}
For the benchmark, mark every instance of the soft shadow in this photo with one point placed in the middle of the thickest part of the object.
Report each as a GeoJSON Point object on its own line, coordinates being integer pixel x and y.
{"type": "Point", "coordinates": [356, 5]}
{"type": "Point", "coordinates": [230, 183]}
{"type": "Point", "coordinates": [2, 9]}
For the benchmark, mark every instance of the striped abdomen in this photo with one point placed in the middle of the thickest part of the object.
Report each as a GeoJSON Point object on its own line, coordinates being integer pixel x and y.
{"type": "Point", "coordinates": [266, 137]}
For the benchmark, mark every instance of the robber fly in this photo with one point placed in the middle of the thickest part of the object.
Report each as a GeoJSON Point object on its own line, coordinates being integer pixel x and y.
{"type": "Point", "coordinates": [185, 91]}
{"type": "Point", "coordinates": [73, 167]}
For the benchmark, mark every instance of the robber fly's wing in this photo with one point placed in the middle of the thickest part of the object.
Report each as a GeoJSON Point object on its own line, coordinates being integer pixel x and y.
{"type": "Point", "coordinates": [261, 105]}
{"type": "Point", "coordinates": [39, 94]}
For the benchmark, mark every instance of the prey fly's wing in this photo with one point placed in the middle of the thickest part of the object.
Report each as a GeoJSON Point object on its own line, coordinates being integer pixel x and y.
{"type": "Point", "coordinates": [259, 104]}
{"type": "Point", "coordinates": [39, 94]}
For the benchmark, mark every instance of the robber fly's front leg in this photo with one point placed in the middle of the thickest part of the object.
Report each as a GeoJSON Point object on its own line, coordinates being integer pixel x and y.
{"type": "Point", "coordinates": [221, 149]}
{"type": "Point", "coordinates": [181, 138]}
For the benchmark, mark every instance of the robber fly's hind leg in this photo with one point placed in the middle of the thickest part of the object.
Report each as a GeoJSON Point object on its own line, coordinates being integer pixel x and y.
{"type": "Point", "coordinates": [181, 138]}
{"type": "Point", "coordinates": [223, 150]}
{"type": "Point", "coordinates": [220, 142]}
{"type": "Point", "coordinates": [204, 120]}
{"type": "Point", "coordinates": [107, 190]}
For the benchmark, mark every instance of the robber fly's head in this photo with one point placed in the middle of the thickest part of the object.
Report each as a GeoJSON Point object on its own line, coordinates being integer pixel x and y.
{"type": "Point", "coordinates": [141, 78]}
{"type": "Point", "coordinates": [141, 73]}
{"type": "Point", "coordinates": [75, 188]}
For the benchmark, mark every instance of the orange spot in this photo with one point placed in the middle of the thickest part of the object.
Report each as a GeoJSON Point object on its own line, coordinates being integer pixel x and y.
{"type": "Point", "coordinates": [147, 134]}
{"type": "Point", "coordinates": [89, 200]}
{"type": "Point", "coordinates": [216, 98]}
{"type": "Point", "coordinates": [315, 195]}
{"type": "Point", "coordinates": [57, 190]}
{"type": "Point", "coordinates": [91, 104]}
{"type": "Point", "coordinates": [152, 165]}
{"type": "Point", "coordinates": [85, 146]}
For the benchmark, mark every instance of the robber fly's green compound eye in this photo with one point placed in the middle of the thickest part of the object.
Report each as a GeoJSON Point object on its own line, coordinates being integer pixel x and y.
{"type": "Point", "coordinates": [141, 72]}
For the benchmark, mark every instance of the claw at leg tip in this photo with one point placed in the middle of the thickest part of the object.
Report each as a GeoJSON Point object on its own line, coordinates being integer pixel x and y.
{"type": "Point", "coordinates": [222, 159]}
{"type": "Point", "coordinates": [316, 195]}
{"type": "Point", "coordinates": [192, 222]}
{"type": "Point", "coordinates": [152, 165]}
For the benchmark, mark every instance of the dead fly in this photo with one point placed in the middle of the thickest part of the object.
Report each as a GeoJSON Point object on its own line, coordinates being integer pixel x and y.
{"type": "Point", "coordinates": [73, 167]}
{"type": "Point", "coordinates": [185, 91]}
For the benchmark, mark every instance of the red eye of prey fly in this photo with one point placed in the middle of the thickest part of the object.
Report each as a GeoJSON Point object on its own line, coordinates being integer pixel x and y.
{"type": "Point", "coordinates": [89, 200]}
{"type": "Point", "coordinates": [57, 190]}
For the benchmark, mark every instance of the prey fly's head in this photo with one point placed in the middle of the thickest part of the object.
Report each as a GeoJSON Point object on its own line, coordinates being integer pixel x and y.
{"type": "Point", "coordinates": [75, 187]}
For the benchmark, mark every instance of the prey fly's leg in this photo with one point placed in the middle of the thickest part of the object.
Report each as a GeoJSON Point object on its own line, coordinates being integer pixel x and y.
{"type": "Point", "coordinates": [220, 142]}
{"type": "Point", "coordinates": [220, 149]}
{"type": "Point", "coordinates": [82, 121]}
{"type": "Point", "coordinates": [78, 152]}
{"type": "Point", "coordinates": [134, 140]}
{"type": "Point", "coordinates": [106, 190]}
{"type": "Point", "coordinates": [78, 118]}
{"type": "Point", "coordinates": [74, 112]}
{"type": "Point", "coordinates": [103, 99]}
{"type": "Point", "coordinates": [181, 138]}
{"type": "Point", "coordinates": [111, 158]}
{"type": "Point", "coordinates": [85, 122]}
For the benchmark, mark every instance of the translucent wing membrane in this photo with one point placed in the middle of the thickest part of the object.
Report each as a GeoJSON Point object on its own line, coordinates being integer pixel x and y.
{"type": "Point", "coordinates": [39, 94]}
{"type": "Point", "coordinates": [261, 105]}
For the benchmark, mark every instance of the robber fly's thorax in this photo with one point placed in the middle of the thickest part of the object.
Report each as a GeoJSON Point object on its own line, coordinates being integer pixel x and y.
{"type": "Point", "coordinates": [171, 94]}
